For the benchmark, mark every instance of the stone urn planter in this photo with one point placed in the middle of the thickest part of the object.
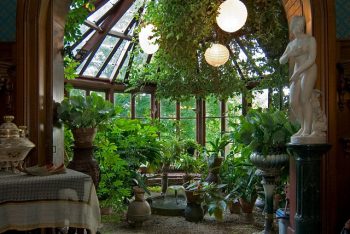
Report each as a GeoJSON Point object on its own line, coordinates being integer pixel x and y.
{"type": "Point", "coordinates": [139, 209]}
{"type": "Point", "coordinates": [271, 166]}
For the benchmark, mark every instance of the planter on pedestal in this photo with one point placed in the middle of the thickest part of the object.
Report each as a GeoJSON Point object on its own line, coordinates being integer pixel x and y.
{"type": "Point", "coordinates": [83, 149]}
{"type": "Point", "coordinates": [271, 167]}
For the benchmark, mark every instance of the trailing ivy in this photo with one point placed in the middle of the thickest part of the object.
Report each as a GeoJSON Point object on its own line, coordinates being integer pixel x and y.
{"type": "Point", "coordinates": [187, 28]}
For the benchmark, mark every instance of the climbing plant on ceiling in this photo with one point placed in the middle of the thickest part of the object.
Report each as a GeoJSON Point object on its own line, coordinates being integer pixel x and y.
{"type": "Point", "coordinates": [185, 29]}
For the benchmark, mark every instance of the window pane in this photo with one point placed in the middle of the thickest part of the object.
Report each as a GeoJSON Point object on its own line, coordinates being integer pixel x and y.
{"type": "Point", "coordinates": [123, 100]}
{"type": "Point", "coordinates": [143, 105]}
{"type": "Point", "coordinates": [213, 129]}
{"type": "Point", "coordinates": [188, 108]}
{"type": "Point", "coordinates": [77, 92]}
{"type": "Point", "coordinates": [168, 128]}
{"type": "Point", "coordinates": [260, 99]}
{"type": "Point", "coordinates": [101, 94]}
{"type": "Point", "coordinates": [212, 105]}
{"type": "Point", "coordinates": [167, 108]}
{"type": "Point", "coordinates": [188, 129]}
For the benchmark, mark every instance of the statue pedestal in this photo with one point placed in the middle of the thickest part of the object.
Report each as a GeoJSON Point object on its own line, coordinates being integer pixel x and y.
{"type": "Point", "coordinates": [308, 163]}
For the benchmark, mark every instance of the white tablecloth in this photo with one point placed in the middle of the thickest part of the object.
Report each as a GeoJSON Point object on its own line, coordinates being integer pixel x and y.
{"type": "Point", "coordinates": [64, 205]}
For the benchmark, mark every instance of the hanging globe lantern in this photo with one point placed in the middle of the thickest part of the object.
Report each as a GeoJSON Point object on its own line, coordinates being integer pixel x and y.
{"type": "Point", "coordinates": [232, 15]}
{"type": "Point", "coordinates": [216, 55]}
{"type": "Point", "coordinates": [147, 40]}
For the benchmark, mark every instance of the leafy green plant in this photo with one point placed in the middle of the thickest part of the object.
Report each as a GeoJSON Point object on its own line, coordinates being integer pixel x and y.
{"type": "Point", "coordinates": [263, 131]}
{"type": "Point", "coordinates": [247, 183]}
{"type": "Point", "coordinates": [187, 163]}
{"type": "Point", "coordinates": [136, 142]}
{"type": "Point", "coordinates": [211, 197]}
{"type": "Point", "coordinates": [115, 179]}
{"type": "Point", "coordinates": [89, 112]}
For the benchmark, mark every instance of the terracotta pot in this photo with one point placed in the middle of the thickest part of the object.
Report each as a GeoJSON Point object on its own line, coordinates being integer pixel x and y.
{"type": "Point", "coordinates": [84, 137]}
{"type": "Point", "coordinates": [213, 176]}
{"type": "Point", "coordinates": [234, 207]}
{"type": "Point", "coordinates": [247, 207]}
{"type": "Point", "coordinates": [192, 196]}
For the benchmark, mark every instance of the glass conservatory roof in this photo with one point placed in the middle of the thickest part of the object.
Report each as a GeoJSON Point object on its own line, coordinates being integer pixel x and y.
{"type": "Point", "coordinates": [106, 45]}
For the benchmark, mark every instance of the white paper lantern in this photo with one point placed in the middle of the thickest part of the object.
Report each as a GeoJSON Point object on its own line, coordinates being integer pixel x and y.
{"type": "Point", "coordinates": [216, 55]}
{"type": "Point", "coordinates": [147, 40]}
{"type": "Point", "coordinates": [232, 15]}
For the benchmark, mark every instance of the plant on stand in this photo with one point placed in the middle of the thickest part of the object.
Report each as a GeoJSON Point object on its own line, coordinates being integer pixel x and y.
{"type": "Point", "coordinates": [265, 134]}
{"type": "Point", "coordinates": [82, 115]}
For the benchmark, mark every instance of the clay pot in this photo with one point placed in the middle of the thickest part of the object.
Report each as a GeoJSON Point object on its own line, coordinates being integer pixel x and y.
{"type": "Point", "coordinates": [234, 207]}
{"type": "Point", "coordinates": [247, 207]}
{"type": "Point", "coordinates": [139, 210]}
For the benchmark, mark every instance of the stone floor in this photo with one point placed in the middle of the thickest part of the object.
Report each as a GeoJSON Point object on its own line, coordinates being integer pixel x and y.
{"type": "Point", "coordinates": [232, 223]}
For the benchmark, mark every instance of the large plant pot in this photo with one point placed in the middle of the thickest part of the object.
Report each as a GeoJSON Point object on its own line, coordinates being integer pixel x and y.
{"type": "Point", "coordinates": [84, 137]}
{"type": "Point", "coordinates": [193, 211]}
{"type": "Point", "coordinates": [139, 210]}
{"type": "Point", "coordinates": [271, 166]}
{"type": "Point", "coordinates": [83, 150]}
{"type": "Point", "coordinates": [247, 207]}
{"type": "Point", "coordinates": [214, 170]}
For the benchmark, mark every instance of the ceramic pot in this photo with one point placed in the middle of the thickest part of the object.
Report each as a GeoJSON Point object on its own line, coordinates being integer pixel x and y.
{"type": "Point", "coordinates": [139, 210]}
{"type": "Point", "coordinates": [194, 212]}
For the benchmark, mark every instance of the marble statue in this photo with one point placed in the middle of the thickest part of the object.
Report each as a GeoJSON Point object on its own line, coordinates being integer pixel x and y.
{"type": "Point", "coordinates": [303, 103]}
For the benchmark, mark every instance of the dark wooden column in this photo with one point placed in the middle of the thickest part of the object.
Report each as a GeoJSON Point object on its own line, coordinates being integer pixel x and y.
{"type": "Point", "coordinates": [40, 27]}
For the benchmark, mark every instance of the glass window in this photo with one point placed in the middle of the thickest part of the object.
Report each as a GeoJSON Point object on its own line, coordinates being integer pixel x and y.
{"type": "Point", "coordinates": [101, 94]}
{"type": "Point", "coordinates": [188, 128]}
{"type": "Point", "coordinates": [188, 108]}
{"type": "Point", "coordinates": [143, 105]}
{"type": "Point", "coordinates": [167, 109]}
{"type": "Point", "coordinates": [168, 128]}
{"type": "Point", "coordinates": [124, 101]}
{"type": "Point", "coordinates": [260, 99]}
{"type": "Point", "coordinates": [77, 92]}
{"type": "Point", "coordinates": [213, 119]}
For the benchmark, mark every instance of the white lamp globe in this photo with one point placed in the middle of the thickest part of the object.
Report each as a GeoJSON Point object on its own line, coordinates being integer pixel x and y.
{"type": "Point", "coordinates": [216, 55]}
{"type": "Point", "coordinates": [147, 40]}
{"type": "Point", "coordinates": [232, 15]}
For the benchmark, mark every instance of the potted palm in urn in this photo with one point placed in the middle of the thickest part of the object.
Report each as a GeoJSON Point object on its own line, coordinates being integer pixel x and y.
{"type": "Point", "coordinates": [265, 134]}
{"type": "Point", "coordinates": [82, 115]}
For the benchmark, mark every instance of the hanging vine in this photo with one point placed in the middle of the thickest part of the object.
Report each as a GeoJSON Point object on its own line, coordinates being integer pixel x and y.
{"type": "Point", "coordinates": [187, 28]}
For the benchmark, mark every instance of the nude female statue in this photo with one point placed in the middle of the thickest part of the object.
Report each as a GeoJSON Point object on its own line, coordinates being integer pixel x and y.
{"type": "Point", "coordinates": [303, 50]}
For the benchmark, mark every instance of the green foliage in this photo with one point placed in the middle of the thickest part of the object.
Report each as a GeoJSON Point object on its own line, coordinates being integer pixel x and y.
{"type": "Point", "coordinates": [79, 10]}
{"type": "Point", "coordinates": [187, 28]}
{"type": "Point", "coordinates": [88, 112]}
{"type": "Point", "coordinates": [115, 181]}
{"type": "Point", "coordinates": [70, 66]}
{"type": "Point", "coordinates": [247, 183]}
{"type": "Point", "coordinates": [187, 163]}
{"type": "Point", "coordinates": [136, 142]}
{"type": "Point", "coordinates": [263, 131]}
{"type": "Point", "coordinates": [211, 197]}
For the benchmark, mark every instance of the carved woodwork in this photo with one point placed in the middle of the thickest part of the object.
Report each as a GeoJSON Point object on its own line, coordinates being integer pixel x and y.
{"type": "Point", "coordinates": [343, 84]}
{"type": "Point", "coordinates": [7, 75]}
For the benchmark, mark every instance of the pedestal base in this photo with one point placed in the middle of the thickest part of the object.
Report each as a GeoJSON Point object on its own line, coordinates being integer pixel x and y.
{"type": "Point", "coordinates": [308, 164]}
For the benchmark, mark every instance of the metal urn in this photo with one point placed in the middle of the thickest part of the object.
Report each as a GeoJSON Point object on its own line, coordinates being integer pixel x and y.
{"type": "Point", "coordinates": [14, 146]}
